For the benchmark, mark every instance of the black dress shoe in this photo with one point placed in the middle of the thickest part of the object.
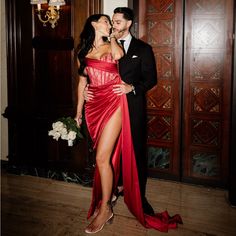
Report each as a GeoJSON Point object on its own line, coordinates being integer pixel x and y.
{"type": "Point", "coordinates": [147, 208]}
{"type": "Point", "coordinates": [116, 195]}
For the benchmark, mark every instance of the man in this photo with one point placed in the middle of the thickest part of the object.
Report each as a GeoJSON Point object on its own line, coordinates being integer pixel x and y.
{"type": "Point", "coordinates": [138, 72]}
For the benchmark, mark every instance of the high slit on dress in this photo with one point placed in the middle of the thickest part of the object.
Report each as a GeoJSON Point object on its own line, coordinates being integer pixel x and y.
{"type": "Point", "coordinates": [103, 74]}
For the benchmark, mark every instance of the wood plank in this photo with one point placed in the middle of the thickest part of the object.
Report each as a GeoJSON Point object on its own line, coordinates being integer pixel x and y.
{"type": "Point", "coordinates": [39, 206]}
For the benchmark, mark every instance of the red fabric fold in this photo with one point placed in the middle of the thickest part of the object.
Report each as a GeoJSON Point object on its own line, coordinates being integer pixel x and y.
{"type": "Point", "coordinates": [98, 111]}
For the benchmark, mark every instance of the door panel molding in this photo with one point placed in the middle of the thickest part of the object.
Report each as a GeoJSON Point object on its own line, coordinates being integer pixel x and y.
{"type": "Point", "coordinates": [189, 109]}
{"type": "Point", "coordinates": [207, 90]}
{"type": "Point", "coordinates": [160, 25]}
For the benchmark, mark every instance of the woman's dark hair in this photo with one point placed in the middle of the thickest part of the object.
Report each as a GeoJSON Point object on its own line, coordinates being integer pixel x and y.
{"type": "Point", "coordinates": [87, 37]}
{"type": "Point", "coordinates": [128, 13]}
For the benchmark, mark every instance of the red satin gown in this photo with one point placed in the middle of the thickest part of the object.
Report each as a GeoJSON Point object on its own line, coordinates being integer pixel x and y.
{"type": "Point", "coordinates": [103, 74]}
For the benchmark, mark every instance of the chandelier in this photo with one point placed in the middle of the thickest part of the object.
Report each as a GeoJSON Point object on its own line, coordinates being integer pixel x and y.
{"type": "Point", "coordinates": [52, 14]}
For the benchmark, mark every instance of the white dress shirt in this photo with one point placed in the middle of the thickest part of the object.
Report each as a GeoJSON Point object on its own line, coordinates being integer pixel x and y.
{"type": "Point", "coordinates": [126, 42]}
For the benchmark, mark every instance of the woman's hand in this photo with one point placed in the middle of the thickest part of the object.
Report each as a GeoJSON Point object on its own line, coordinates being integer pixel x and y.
{"type": "Point", "coordinates": [116, 34]}
{"type": "Point", "coordinates": [78, 119]}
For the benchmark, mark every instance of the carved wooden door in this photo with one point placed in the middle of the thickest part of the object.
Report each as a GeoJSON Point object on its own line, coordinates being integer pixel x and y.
{"type": "Point", "coordinates": [160, 24]}
{"type": "Point", "coordinates": [188, 111]}
{"type": "Point", "coordinates": [207, 90]}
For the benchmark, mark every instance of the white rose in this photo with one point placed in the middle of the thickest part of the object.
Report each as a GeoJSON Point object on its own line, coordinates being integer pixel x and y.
{"type": "Point", "coordinates": [70, 143]}
{"type": "Point", "coordinates": [58, 126]}
{"type": "Point", "coordinates": [51, 132]}
{"type": "Point", "coordinates": [63, 131]}
{"type": "Point", "coordinates": [72, 135]}
{"type": "Point", "coordinates": [56, 135]}
{"type": "Point", "coordinates": [64, 136]}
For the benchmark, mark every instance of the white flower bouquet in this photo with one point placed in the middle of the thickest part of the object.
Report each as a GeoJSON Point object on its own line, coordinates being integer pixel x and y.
{"type": "Point", "coordinates": [66, 128]}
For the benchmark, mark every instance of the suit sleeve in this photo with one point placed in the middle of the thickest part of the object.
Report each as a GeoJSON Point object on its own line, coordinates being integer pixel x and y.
{"type": "Point", "coordinates": [148, 70]}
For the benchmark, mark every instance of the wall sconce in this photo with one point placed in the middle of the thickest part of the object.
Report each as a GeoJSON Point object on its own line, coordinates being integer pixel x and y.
{"type": "Point", "coordinates": [52, 14]}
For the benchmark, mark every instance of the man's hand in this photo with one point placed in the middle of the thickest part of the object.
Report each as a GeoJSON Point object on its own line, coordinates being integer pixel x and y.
{"type": "Point", "coordinates": [88, 95]}
{"type": "Point", "coordinates": [122, 88]}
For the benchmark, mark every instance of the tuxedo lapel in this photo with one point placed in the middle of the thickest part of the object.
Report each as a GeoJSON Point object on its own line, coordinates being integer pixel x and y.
{"type": "Point", "coordinates": [130, 52]}
{"type": "Point", "coordinates": [131, 48]}
{"type": "Point", "coordinates": [126, 62]}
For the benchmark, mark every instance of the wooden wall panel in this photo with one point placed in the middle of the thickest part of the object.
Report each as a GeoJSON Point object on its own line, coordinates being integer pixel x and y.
{"type": "Point", "coordinates": [232, 163]}
{"type": "Point", "coordinates": [42, 80]}
{"type": "Point", "coordinates": [160, 24]}
{"type": "Point", "coordinates": [19, 72]}
{"type": "Point", "coordinates": [207, 90]}
{"type": "Point", "coordinates": [52, 49]}
{"type": "Point", "coordinates": [189, 113]}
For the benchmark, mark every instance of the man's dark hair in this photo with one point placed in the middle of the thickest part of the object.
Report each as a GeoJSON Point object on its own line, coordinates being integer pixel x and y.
{"type": "Point", "coordinates": [127, 13]}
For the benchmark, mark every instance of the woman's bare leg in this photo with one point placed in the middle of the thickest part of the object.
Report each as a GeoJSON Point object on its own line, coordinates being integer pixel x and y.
{"type": "Point", "coordinates": [104, 150]}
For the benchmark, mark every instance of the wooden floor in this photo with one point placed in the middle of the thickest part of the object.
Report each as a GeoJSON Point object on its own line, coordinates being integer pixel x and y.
{"type": "Point", "coordinates": [45, 207]}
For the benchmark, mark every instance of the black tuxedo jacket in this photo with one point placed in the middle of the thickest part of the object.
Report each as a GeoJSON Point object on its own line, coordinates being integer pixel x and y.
{"type": "Point", "coordinates": [138, 67]}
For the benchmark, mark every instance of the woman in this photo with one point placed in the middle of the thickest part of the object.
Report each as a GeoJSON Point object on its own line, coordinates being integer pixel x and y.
{"type": "Point", "coordinates": [108, 123]}
{"type": "Point", "coordinates": [104, 128]}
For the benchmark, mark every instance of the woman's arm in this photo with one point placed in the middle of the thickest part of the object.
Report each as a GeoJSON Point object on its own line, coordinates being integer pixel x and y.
{"type": "Point", "coordinates": [116, 50]}
{"type": "Point", "coordinates": [80, 98]}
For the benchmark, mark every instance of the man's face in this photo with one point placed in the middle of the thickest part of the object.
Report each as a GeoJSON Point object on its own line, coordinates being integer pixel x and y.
{"type": "Point", "coordinates": [120, 24]}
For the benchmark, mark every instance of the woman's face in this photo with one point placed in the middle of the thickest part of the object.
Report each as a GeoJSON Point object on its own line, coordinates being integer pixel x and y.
{"type": "Point", "coordinates": [102, 26]}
